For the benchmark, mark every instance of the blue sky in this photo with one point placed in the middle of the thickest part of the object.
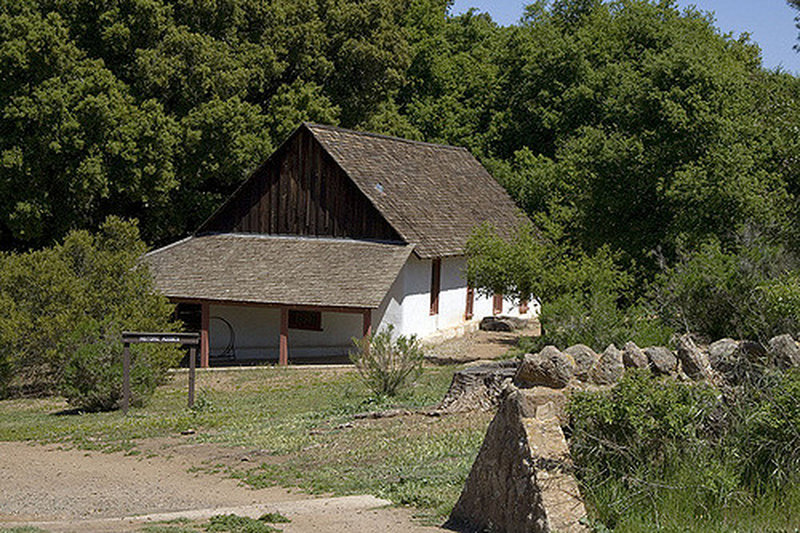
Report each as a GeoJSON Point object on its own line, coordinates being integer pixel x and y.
{"type": "Point", "coordinates": [770, 23]}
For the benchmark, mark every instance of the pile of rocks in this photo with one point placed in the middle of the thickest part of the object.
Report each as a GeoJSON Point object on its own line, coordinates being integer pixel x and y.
{"type": "Point", "coordinates": [725, 360]}
{"type": "Point", "coordinates": [721, 363]}
{"type": "Point", "coordinates": [554, 368]}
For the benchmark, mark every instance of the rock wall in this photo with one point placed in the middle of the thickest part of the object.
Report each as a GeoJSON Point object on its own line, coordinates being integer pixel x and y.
{"type": "Point", "coordinates": [521, 481]}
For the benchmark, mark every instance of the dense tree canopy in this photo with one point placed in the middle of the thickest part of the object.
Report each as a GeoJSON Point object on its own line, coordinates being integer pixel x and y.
{"type": "Point", "coordinates": [158, 108]}
{"type": "Point", "coordinates": [625, 124]}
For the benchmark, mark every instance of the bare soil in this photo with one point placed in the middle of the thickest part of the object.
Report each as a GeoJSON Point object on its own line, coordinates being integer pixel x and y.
{"type": "Point", "coordinates": [73, 490]}
{"type": "Point", "coordinates": [478, 346]}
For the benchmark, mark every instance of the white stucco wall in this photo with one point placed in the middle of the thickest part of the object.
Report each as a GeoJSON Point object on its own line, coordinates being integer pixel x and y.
{"type": "Point", "coordinates": [406, 306]}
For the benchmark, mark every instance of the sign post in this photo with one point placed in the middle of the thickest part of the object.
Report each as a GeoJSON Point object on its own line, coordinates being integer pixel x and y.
{"type": "Point", "coordinates": [192, 340]}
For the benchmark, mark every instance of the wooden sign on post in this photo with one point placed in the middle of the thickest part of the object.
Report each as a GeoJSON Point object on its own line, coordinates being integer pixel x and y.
{"type": "Point", "coordinates": [192, 340]}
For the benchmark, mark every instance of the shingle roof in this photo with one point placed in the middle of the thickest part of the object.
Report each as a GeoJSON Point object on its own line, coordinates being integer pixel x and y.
{"type": "Point", "coordinates": [432, 194]}
{"type": "Point", "coordinates": [278, 270]}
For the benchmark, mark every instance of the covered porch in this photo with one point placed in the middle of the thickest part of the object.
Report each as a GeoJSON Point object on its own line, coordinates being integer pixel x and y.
{"type": "Point", "coordinates": [258, 298]}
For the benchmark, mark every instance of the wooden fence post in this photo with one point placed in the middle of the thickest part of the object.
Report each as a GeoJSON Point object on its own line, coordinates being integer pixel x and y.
{"type": "Point", "coordinates": [126, 378]}
{"type": "Point", "coordinates": [192, 357]}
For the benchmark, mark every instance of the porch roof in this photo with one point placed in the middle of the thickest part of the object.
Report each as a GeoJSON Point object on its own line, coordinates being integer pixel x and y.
{"type": "Point", "coordinates": [268, 269]}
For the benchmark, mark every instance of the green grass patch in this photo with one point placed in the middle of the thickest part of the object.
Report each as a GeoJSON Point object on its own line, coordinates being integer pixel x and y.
{"type": "Point", "coordinates": [162, 528]}
{"type": "Point", "coordinates": [232, 523]}
{"type": "Point", "coordinates": [274, 518]}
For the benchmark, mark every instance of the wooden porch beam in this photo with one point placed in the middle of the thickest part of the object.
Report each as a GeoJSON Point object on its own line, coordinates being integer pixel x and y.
{"type": "Point", "coordinates": [367, 325]}
{"type": "Point", "coordinates": [299, 307]}
{"type": "Point", "coordinates": [283, 356]}
{"type": "Point", "coordinates": [205, 318]}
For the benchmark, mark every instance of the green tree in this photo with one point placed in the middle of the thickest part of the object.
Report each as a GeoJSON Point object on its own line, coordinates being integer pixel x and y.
{"type": "Point", "coordinates": [76, 146]}
{"type": "Point", "coordinates": [68, 305]}
{"type": "Point", "coordinates": [641, 110]}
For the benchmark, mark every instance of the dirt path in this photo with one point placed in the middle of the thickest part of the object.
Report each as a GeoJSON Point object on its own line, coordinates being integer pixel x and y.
{"type": "Point", "coordinates": [75, 490]}
{"type": "Point", "coordinates": [477, 345]}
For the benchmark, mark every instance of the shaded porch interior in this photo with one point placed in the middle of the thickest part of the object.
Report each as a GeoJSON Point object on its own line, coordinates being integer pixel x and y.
{"type": "Point", "coordinates": [242, 335]}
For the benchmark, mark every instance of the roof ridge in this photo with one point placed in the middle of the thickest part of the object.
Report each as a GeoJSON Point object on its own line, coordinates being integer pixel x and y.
{"type": "Point", "coordinates": [291, 237]}
{"type": "Point", "coordinates": [312, 125]}
{"type": "Point", "coordinates": [168, 246]}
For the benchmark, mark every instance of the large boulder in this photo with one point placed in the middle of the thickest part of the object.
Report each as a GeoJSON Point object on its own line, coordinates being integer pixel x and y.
{"type": "Point", "coordinates": [633, 356]}
{"type": "Point", "coordinates": [496, 323]}
{"type": "Point", "coordinates": [585, 358]}
{"type": "Point", "coordinates": [662, 360]}
{"type": "Point", "coordinates": [784, 351]}
{"type": "Point", "coordinates": [609, 368]}
{"type": "Point", "coordinates": [724, 358]}
{"type": "Point", "coordinates": [693, 360]}
{"type": "Point", "coordinates": [549, 368]}
{"type": "Point", "coordinates": [521, 481]}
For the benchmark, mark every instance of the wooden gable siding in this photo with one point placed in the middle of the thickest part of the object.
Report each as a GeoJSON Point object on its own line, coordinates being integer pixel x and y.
{"type": "Point", "coordinates": [300, 190]}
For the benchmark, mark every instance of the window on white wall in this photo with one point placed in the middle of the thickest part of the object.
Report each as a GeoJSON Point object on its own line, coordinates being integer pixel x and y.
{"type": "Point", "coordinates": [309, 320]}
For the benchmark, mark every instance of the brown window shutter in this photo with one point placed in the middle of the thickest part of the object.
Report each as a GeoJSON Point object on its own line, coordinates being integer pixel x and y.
{"type": "Point", "coordinates": [470, 303]}
{"type": "Point", "coordinates": [497, 304]}
{"type": "Point", "coordinates": [436, 280]}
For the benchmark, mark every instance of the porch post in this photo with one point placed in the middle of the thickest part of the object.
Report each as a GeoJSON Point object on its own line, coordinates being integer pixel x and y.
{"type": "Point", "coordinates": [283, 357]}
{"type": "Point", "coordinates": [204, 320]}
{"type": "Point", "coordinates": [367, 330]}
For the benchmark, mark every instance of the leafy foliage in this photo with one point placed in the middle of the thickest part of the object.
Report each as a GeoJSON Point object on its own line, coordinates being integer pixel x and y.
{"type": "Point", "coordinates": [652, 454]}
{"type": "Point", "coordinates": [583, 295]}
{"type": "Point", "coordinates": [627, 123]}
{"type": "Point", "coordinates": [748, 290]}
{"type": "Point", "coordinates": [70, 304]}
{"type": "Point", "coordinates": [385, 362]}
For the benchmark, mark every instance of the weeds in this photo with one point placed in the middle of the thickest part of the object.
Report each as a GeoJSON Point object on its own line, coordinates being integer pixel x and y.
{"type": "Point", "coordinates": [386, 362]}
{"type": "Point", "coordinates": [232, 523]}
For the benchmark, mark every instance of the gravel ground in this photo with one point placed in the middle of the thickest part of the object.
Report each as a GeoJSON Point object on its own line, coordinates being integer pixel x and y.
{"type": "Point", "coordinates": [75, 490]}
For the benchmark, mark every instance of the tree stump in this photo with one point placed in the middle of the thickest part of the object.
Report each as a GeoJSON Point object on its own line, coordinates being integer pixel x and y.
{"type": "Point", "coordinates": [477, 388]}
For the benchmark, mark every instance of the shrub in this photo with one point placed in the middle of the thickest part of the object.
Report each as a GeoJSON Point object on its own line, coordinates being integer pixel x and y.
{"type": "Point", "coordinates": [385, 362]}
{"type": "Point", "coordinates": [69, 304]}
{"type": "Point", "coordinates": [745, 290]}
{"type": "Point", "coordinates": [637, 446]}
{"type": "Point", "coordinates": [652, 453]}
{"type": "Point", "coordinates": [92, 377]}
{"type": "Point", "coordinates": [641, 421]}
{"type": "Point", "coordinates": [768, 432]}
